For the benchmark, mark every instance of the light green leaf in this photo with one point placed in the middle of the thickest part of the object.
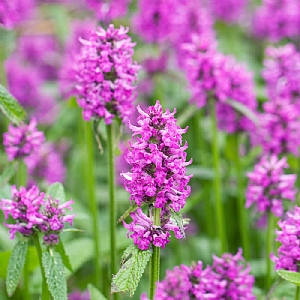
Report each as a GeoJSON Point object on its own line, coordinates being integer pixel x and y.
{"type": "Point", "coordinates": [55, 275]}
{"type": "Point", "coordinates": [95, 293]}
{"type": "Point", "coordinates": [10, 106]}
{"type": "Point", "coordinates": [176, 219]}
{"type": "Point", "coordinates": [61, 250]}
{"type": "Point", "coordinates": [132, 208]}
{"type": "Point", "coordinates": [293, 277]}
{"type": "Point", "coordinates": [8, 172]}
{"type": "Point", "coordinates": [129, 275]}
{"type": "Point", "coordinates": [15, 266]}
{"type": "Point", "coordinates": [56, 191]}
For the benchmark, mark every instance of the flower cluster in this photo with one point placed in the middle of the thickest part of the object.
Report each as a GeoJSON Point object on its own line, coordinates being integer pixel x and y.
{"type": "Point", "coordinates": [268, 185]}
{"type": "Point", "coordinates": [34, 212]}
{"type": "Point", "coordinates": [158, 173]}
{"type": "Point", "coordinates": [289, 251]}
{"type": "Point", "coordinates": [277, 19]}
{"type": "Point", "coordinates": [144, 232]}
{"type": "Point", "coordinates": [227, 278]}
{"type": "Point", "coordinates": [105, 74]}
{"type": "Point", "coordinates": [157, 176]}
{"type": "Point", "coordinates": [23, 140]}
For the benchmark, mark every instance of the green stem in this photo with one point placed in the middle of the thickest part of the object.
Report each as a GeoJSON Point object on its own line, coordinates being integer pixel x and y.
{"type": "Point", "coordinates": [91, 187]}
{"type": "Point", "coordinates": [22, 174]}
{"type": "Point", "coordinates": [243, 221]}
{"type": "Point", "coordinates": [217, 179]}
{"type": "Point", "coordinates": [45, 291]}
{"type": "Point", "coordinates": [111, 182]}
{"type": "Point", "coordinates": [269, 248]}
{"type": "Point", "coordinates": [297, 295]}
{"type": "Point", "coordinates": [155, 259]}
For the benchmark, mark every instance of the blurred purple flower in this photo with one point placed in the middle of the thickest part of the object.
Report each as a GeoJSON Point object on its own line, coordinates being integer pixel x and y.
{"type": "Point", "coordinates": [23, 140]}
{"type": "Point", "coordinates": [13, 12]}
{"type": "Point", "coordinates": [78, 295]}
{"type": "Point", "coordinates": [158, 173]}
{"type": "Point", "coordinates": [277, 19]}
{"type": "Point", "coordinates": [105, 75]}
{"type": "Point", "coordinates": [268, 185]}
{"type": "Point", "coordinates": [46, 164]}
{"type": "Point", "coordinates": [289, 251]}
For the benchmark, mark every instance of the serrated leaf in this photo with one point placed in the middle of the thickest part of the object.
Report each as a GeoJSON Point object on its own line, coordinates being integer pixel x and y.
{"type": "Point", "coordinates": [65, 258]}
{"type": "Point", "coordinates": [56, 191]}
{"type": "Point", "coordinates": [132, 208]}
{"type": "Point", "coordinates": [176, 219]}
{"type": "Point", "coordinates": [130, 250]}
{"type": "Point", "coordinates": [55, 275]}
{"type": "Point", "coordinates": [10, 106]}
{"type": "Point", "coordinates": [128, 277]}
{"type": "Point", "coordinates": [15, 266]}
{"type": "Point", "coordinates": [95, 294]}
{"type": "Point", "coordinates": [243, 109]}
{"type": "Point", "coordinates": [293, 277]}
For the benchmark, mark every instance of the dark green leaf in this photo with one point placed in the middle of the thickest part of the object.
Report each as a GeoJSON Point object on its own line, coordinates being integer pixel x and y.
{"type": "Point", "coordinates": [129, 275]}
{"type": "Point", "coordinates": [55, 275]}
{"type": "Point", "coordinates": [15, 266]}
{"type": "Point", "coordinates": [56, 191]}
{"type": "Point", "coordinates": [293, 277]}
{"type": "Point", "coordinates": [10, 106]}
{"type": "Point", "coordinates": [132, 208]}
{"type": "Point", "coordinates": [61, 250]}
{"type": "Point", "coordinates": [95, 293]}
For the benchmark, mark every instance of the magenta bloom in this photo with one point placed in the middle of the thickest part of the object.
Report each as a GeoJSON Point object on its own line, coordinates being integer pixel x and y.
{"type": "Point", "coordinates": [46, 164]}
{"type": "Point", "coordinates": [78, 295]}
{"type": "Point", "coordinates": [33, 212]}
{"type": "Point", "coordinates": [23, 140]}
{"type": "Point", "coordinates": [13, 12]}
{"type": "Point", "coordinates": [289, 251]}
{"type": "Point", "coordinates": [268, 185]}
{"type": "Point", "coordinates": [158, 173]}
{"type": "Point", "coordinates": [277, 19]}
{"type": "Point", "coordinates": [105, 75]}
{"type": "Point", "coordinates": [144, 232]}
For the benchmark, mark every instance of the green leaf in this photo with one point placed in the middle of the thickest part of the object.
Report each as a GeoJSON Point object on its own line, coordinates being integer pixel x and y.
{"type": "Point", "coordinates": [243, 109]}
{"type": "Point", "coordinates": [95, 293]}
{"type": "Point", "coordinates": [61, 250]}
{"type": "Point", "coordinates": [56, 191]}
{"type": "Point", "coordinates": [129, 275]}
{"type": "Point", "coordinates": [132, 208]}
{"type": "Point", "coordinates": [55, 275]}
{"type": "Point", "coordinates": [176, 219]}
{"type": "Point", "coordinates": [293, 277]}
{"type": "Point", "coordinates": [8, 172]}
{"type": "Point", "coordinates": [15, 266]}
{"type": "Point", "coordinates": [10, 106]}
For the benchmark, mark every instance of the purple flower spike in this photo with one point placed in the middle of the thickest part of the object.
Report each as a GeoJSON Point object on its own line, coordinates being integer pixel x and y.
{"type": "Point", "coordinates": [289, 251]}
{"type": "Point", "coordinates": [23, 140]}
{"type": "Point", "coordinates": [158, 160]}
{"type": "Point", "coordinates": [25, 210]}
{"type": "Point", "coordinates": [269, 186]}
{"type": "Point", "coordinates": [105, 75]}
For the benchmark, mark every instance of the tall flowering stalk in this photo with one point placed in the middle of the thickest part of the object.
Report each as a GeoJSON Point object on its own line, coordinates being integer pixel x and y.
{"type": "Point", "coordinates": [268, 187]}
{"type": "Point", "coordinates": [105, 74]}
{"type": "Point", "coordinates": [158, 180]}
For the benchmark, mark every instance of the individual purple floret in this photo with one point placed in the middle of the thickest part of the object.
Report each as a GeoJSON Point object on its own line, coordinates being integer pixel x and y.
{"type": "Point", "coordinates": [153, 22]}
{"type": "Point", "coordinates": [13, 12]}
{"type": "Point", "coordinates": [230, 269]}
{"type": "Point", "coordinates": [268, 185]}
{"type": "Point", "coordinates": [279, 128]}
{"type": "Point", "coordinates": [289, 251]}
{"type": "Point", "coordinates": [46, 164]}
{"type": "Point", "coordinates": [105, 74]}
{"type": "Point", "coordinates": [277, 19]}
{"type": "Point", "coordinates": [158, 173]}
{"type": "Point", "coordinates": [144, 232]}
{"type": "Point", "coordinates": [25, 209]}
{"type": "Point", "coordinates": [23, 140]}
{"type": "Point", "coordinates": [229, 11]}
{"type": "Point", "coordinates": [54, 218]}
{"type": "Point", "coordinates": [282, 73]}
